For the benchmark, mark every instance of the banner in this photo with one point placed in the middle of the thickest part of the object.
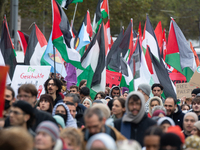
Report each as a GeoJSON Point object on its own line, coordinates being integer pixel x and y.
{"type": "Point", "coordinates": [177, 78]}
{"type": "Point", "coordinates": [3, 75]}
{"type": "Point", "coordinates": [36, 75]}
{"type": "Point", "coordinates": [184, 89]}
{"type": "Point", "coordinates": [112, 78]}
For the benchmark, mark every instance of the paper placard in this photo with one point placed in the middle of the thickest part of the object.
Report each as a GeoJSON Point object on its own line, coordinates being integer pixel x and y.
{"type": "Point", "coordinates": [184, 89]}
{"type": "Point", "coordinates": [36, 75]}
{"type": "Point", "coordinates": [195, 79]}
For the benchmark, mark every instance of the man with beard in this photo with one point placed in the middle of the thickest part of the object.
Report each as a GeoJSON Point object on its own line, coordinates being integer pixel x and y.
{"type": "Point", "coordinates": [135, 121]}
{"type": "Point", "coordinates": [53, 87]}
{"type": "Point", "coordinates": [115, 91]}
{"type": "Point", "coordinates": [196, 106]}
{"type": "Point", "coordinates": [188, 123]}
{"type": "Point", "coordinates": [174, 111]}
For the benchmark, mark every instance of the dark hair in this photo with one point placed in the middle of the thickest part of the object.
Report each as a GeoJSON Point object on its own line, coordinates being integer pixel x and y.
{"type": "Point", "coordinates": [173, 100]}
{"type": "Point", "coordinates": [156, 85]}
{"type": "Point", "coordinates": [81, 83]}
{"type": "Point", "coordinates": [12, 91]}
{"type": "Point", "coordinates": [74, 96]}
{"type": "Point", "coordinates": [74, 86]}
{"type": "Point", "coordinates": [103, 95]}
{"type": "Point", "coordinates": [121, 101]}
{"type": "Point", "coordinates": [196, 100]}
{"type": "Point", "coordinates": [94, 111]}
{"type": "Point", "coordinates": [154, 130]}
{"type": "Point", "coordinates": [69, 103]}
{"type": "Point", "coordinates": [155, 100]}
{"type": "Point", "coordinates": [185, 105]}
{"type": "Point", "coordinates": [134, 97]}
{"type": "Point", "coordinates": [85, 91]}
{"type": "Point", "coordinates": [49, 98]}
{"type": "Point", "coordinates": [28, 88]}
{"type": "Point", "coordinates": [57, 82]}
{"type": "Point", "coordinates": [116, 88]}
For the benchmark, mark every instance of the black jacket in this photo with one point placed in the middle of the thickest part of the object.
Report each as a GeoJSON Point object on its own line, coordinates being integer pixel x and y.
{"type": "Point", "coordinates": [178, 117]}
{"type": "Point", "coordinates": [58, 99]}
{"type": "Point", "coordinates": [137, 130]}
{"type": "Point", "coordinates": [80, 109]}
{"type": "Point", "coordinates": [39, 117]}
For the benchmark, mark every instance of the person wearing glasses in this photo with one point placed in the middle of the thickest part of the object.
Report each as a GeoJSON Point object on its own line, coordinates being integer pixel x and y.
{"type": "Point", "coordinates": [22, 115]}
{"type": "Point", "coordinates": [28, 93]}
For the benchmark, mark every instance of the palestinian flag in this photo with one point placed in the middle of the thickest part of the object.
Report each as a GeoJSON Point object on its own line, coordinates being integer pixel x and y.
{"type": "Point", "coordinates": [93, 61]}
{"type": "Point", "coordinates": [37, 44]}
{"type": "Point", "coordinates": [65, 3]}
{"type": "Point", "coordinates": [7, 49]}
{"type": "Point", "coordinates": [159, 35]}
{"type": "Point", "coordinates": [127, 76]}
{"type": "Point", "coordinates": [84, 33]}
{"type": "Point", "coordinates": [134, 62]}
{"type": "Point", "coordinates": [23, 38]}
{"type": "Point", "coordinates": [195, 54]}
{"type": "Point", "coordinates": [179, 55]}
{"type": "Point", "coordinates": [105, 9]}
{"type": "Point", "coordinates": [110, 40]}
{"type": "Point", "coordinates": [149, 39]}
{"type": "Point", "coordinates": [113, 58]}
{"type": "Point", "coordinates": [163, 77]}
{"type": "Point", "coordinates": [62, 37]}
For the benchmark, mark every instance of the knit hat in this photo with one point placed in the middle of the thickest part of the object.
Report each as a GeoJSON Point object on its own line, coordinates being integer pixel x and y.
{"type": "Point", "coordinates": [192, 142]}
{"type": "Point", "coordinates": [104, 108]}
{"type": "Point", "coordinates": [178, 131]}
{"type": "Point", "coordinates": [97, 101]}
{"type": "Point", "coordinates": [196, 91]}
{"type": "Point", "coordinates": [191, 114]}
{"type": "Point", "coordinates": [128, 144]}
{"type": "Point", "coordinates": [146, 88]}
{"type": "Point", "coordinates": [161, 120]}
{"type": "Point", "coordinates": [49, 128]}
{"type": "Point", "coordinates": [104, 101]}
{"type": "Point", "coordinates": [24, 106]}
{"type": "Point", "coordinates": [59, 120]}
{"type": "Point", "coordinates": [106, 139]}
{"type": "Point", "coordinates": [157, 112]}
{"type": "Point", "coordinates": [197, 124]}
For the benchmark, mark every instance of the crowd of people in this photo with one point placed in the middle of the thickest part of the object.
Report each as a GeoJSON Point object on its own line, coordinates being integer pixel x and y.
{"type": "Point", "coordinates": [115, 119]}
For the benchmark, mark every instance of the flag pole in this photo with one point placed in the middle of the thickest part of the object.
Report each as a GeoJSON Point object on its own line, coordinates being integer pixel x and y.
{"type": "Point", "coordinates": [54, 60]}
{"type": "Point", "coordinates": [74, 14]}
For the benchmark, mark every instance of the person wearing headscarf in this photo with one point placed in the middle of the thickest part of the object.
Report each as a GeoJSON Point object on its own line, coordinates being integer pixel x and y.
{"type": "Point", "coordinates": [87, 102]}
{"type": "Point", "coordinates": [196, 129]}
{"type": "Point", "coordinates": [135, 121]}
{"type": "Point", "coordinates": [165, 123]}
{"type": "Point", "coordinates": [154, 101]}
{"type": "Point", "coordinates": [101, 141]}
{"type": "Point", "coordinates": [70, 122]}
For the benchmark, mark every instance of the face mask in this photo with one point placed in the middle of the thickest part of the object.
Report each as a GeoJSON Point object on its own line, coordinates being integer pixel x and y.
{"type": "Point", "coordinates": [184, 111]}
{"type": "Point", "coordinates": [7, 104]}
{"type": "Point", "coordinates": [63, 116]}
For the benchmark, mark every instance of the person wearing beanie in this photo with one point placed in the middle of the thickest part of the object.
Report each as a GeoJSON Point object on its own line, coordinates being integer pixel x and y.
{"type": "Point", "coordinates": [196, 129]}
{"type": "Point", "coordinates": [157, 90]}
{"type": "Point", "coordinates": [135, 121]}
{"type": "Point", "coordinates": [154, 101]}
{"type": "Point", "coordinates": [159, 111]}
{"type": "Point", "coordinates": [170, 141]}
{"type": "Point", "coordinates": [97, 102]}
{"type": "Point", "coordinates": [177, 130]}
{"type": "Point", "coordinates": [22, 114]}
{"type": "Point", "coordinates": [47, 137]}
{"type": "Point", "coordinates": [164, 123]}
{"type": "Point", "coordinates": [60, 122]}
{"type": "Point", "coordinates": [195, 92]}
{"type": "Point", "coordinates": [145, 89]}
{"type": "Point", "coordinates": [188, 122]}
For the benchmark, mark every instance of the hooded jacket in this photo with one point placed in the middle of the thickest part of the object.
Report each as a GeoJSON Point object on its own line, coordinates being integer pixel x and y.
{"type": "Point", "coordinates": [153, 98]}
{"type": "Point", "coordinates": [112, 90]}
{"type": "Point", "coordinates": [134, 127]}
{"type": "Point", "coordinates": [70, 120]}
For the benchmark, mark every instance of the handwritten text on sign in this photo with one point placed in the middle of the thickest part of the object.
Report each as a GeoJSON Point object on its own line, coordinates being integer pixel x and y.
{"type": "Point", "coordinates": [184, 89]}
{"type": "Point", "coordinates": [36, 75]}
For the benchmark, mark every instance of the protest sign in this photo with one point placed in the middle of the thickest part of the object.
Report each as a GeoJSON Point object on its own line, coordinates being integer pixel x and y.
{"type": "Point", "coordinates": [195, 78]}
{"type": "Point", "coordinates": [112, 78]}
{"type": "Point", "coordinates": [184, 89]}
{"type": "Point", "coordinates": [3, 75]}
{"type": "Point", "coordinates": [36, 75]}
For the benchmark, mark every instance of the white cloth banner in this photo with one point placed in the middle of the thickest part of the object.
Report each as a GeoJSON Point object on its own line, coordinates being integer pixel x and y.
{"type": "Point", "coordinates": [36, 75]}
